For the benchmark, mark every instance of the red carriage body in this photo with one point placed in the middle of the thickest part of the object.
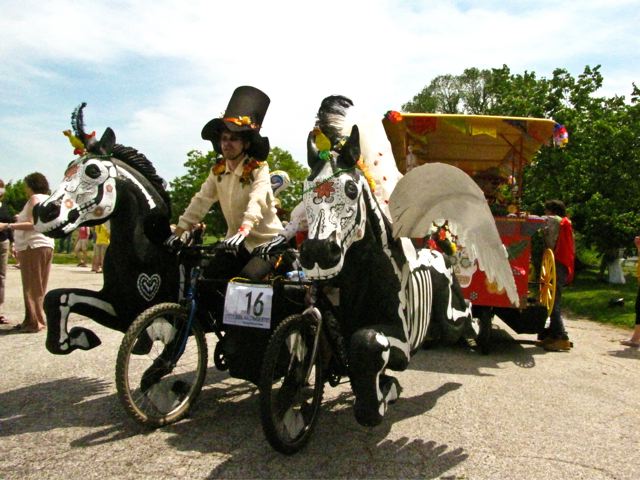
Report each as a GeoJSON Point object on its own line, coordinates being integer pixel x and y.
{"type": "Point", "coordinates": [494, 151]}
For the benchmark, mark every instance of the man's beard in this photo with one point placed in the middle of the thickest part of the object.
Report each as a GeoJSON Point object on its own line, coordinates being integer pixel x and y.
{"type": "Point", "coordinates": [237, 157]}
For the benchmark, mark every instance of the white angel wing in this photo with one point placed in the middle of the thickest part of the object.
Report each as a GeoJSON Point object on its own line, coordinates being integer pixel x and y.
{"type": "Point", "coordinates": [437, 191]}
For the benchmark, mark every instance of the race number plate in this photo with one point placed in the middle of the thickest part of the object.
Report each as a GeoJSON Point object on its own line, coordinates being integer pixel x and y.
{"type": "Point", "coordinates": [248, 305]}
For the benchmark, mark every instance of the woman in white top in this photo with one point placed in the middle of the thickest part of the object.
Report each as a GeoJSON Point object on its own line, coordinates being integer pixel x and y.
{"type": "Point", "coordinates": [35, 253]}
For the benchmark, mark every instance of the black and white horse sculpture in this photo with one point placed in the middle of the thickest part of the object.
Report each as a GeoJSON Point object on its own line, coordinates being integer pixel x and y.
{"type": "Point", "coordinates": [389, 291]}
{"type": "Point", "coordinates": [119, 184]}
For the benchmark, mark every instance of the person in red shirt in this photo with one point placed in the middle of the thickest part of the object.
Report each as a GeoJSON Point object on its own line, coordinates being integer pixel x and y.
{"type": "Point", "coordinates": [558, 236]}
{"type": "Point", "coordinates": [82, 245]}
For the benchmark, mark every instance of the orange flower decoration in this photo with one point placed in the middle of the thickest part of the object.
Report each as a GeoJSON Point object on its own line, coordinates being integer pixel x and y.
{"type": "Point", "coordinates": [393, 116]}
{"type": "Point", "coordinates": [241, 121]}
{"type": "Point", "coordinates": [324, 189]}
{"type": "Point", "coordinates": [246, 177]}
{"type": "Point", "coordinates": [220, 167]}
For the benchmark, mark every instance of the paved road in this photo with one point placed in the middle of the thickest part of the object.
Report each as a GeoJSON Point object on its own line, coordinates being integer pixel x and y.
{"type": "Point", "coordinates": [519, 413]}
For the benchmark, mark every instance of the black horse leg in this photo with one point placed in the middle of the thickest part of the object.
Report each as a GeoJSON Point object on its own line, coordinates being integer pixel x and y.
{"type": "Point", "coordinates": [451, 315]}
{"type": "Point", "coordinates": [59, 303]}
{"type": "Point", "coordinates": [371, 351]}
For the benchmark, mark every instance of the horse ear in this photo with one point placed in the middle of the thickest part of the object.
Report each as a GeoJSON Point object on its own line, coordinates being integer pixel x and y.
{"type": "Point", "coordinates": [350, 152]}
{"type": "Point", "coordinates": [107, 141]}
{"type": "Point", "coordinates": [313, 157]}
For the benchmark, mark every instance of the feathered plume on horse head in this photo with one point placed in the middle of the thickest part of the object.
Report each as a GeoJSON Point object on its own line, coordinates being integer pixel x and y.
{"type": "Point", "coordinates": [86, 142]}
{"type": "Point", "coordinates": [331, 117]}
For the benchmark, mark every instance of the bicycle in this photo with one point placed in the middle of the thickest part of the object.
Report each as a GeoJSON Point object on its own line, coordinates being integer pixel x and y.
{"type": "Point", "coordinates": [305, 351]}
{"type": "Point", "coordinates": [162, 361]}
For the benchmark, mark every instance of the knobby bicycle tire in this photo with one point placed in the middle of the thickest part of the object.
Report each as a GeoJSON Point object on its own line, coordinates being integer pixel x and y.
{"type": "Point", "coordinates": [168, 387]}
{"type": "Point", "coordinates": [288, 426]}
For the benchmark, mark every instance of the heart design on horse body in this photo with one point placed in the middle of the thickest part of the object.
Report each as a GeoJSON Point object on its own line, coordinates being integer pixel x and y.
{"type": "Point", "coordinates": [148, 286]}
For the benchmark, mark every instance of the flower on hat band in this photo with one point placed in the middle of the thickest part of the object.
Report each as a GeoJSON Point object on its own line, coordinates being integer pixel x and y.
{"type": "Point", "coordinates": [242, 121]}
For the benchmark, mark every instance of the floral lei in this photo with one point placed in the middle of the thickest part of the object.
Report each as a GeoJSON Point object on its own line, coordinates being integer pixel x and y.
{"type": "Point", "coordinates": [249, 165]}
{"type": "Point", "coordinates": [442, 239]}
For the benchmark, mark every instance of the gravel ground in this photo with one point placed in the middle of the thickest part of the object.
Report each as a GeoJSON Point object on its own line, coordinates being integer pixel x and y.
{"type": "Point", "coordinates": [518, 413]}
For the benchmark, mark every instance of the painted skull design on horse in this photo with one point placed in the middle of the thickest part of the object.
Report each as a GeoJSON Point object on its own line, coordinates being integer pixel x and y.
{"type": "Point", "coordinates": [109, 182]}
{"type": "Point", "coordinates": [389, 291]}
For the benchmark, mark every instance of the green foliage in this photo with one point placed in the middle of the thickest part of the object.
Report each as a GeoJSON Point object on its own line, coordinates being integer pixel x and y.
{"type": "Point", "coordinates": [15, 197]}
{"type": "Point", "coordinates": [597, 174]}
{"type": "Point", "coordinates": [198, 166]}
{"type": "Point", "coordinates": [183, 188]}
{"type": "Point", "coordinates": [589, 297]}
{"type": "Point", "coordinates": [282, 160]}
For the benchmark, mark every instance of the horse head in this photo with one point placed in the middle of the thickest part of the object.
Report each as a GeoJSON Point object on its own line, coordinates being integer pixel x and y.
{"type": "Point", "coordinates": [93, 183]}
{"type": "Point", "coordinates": [87, 193]}
{"type": "Point", "coordinates": [334, 205]}
{"type": "Point", "coordinates": [86, 196]}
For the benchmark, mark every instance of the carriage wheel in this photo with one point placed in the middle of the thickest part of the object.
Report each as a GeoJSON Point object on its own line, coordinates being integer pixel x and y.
{"type": "Point", "coordinates": [156, 385]}
{"type": "Point", "coordinates": [547, 291]}
{"type": "Point", "coordinates": [291, 384]}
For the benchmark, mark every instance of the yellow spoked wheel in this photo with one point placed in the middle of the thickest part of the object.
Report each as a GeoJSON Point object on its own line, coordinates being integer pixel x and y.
{"type": "Point", "coordinates": [547, 292]}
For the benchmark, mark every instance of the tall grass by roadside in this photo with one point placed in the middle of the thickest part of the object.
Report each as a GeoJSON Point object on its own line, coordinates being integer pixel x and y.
{"type": "Point", "coordinates": [591, 297]}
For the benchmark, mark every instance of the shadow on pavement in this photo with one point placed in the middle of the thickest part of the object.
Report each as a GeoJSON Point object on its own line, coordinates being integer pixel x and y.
{"type": "Point", "coordinates": [625, 352]}
{"type": "Point", "coordinates": [464, 360]}
{"type": "Point", "coordinates": [225, 422]}
{"type": "Point", "coordinates": [337, 447]}
{"type": "Point", "coordinates": [68, 402]}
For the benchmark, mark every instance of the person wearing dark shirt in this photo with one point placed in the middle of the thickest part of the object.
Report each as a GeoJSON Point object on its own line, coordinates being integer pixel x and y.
{"type": "Point", "coordinates": [5, 247]}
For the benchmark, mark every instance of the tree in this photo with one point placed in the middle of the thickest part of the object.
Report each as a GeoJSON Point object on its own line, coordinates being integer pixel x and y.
{"type": "Point", "coordinates": [597, 175]}
{"type": "Point", "coordinates": [282, 160]}
{"type": "Point", "coordinates": [15, 197]}
{"type": "Point", "coordinates": [198, 165]}
{"type": "Point", "coordinates": [183, 188]}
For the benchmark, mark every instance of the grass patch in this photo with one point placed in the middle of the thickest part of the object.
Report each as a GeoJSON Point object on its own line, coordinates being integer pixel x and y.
{"type": "Point", "coordinates": [589, 297]}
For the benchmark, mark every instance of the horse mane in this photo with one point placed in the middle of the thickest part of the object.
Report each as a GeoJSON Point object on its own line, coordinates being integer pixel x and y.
{"type": "Point", "coordinates": [141, 163]}
{"type": "Point", "coordinates": [336, 117]}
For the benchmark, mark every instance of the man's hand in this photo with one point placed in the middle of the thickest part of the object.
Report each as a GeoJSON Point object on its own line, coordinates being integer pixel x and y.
{"type": "Point", "coordinates": [236, 240]}
{"type": "Point", "coordinates": [267, 247]}
{"type": "Point", "coordinates": [173, 242]}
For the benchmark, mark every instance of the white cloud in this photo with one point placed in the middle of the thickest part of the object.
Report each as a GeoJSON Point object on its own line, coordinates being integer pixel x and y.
{"type": "Point", "coordinates": [380, 53]}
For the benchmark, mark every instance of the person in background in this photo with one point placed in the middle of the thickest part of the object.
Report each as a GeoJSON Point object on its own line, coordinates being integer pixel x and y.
{"type": "Point", "coordinates": [6, 238]}
{"type": "Point", "coordinates": [64, 244]}
{"type": "Point", "coordinates": [103, 237]}
{"type": "Point", "coordinates": [240, 181]}
{"type": "Point", "coordinates": [197, 234]}
{"type": "Point", "coordinates": [295, 230]}
{"type": "Point", "coordinates": [35, 252]}
{"type": "Point", "coordinates": [82, 246]}
{"type": "Point", "coordinates": [14, 254]}
{"type": "Point", "coordinates": [558, 236]}
{"type": "Point", "coordinates": [280, 181]}
{"type": "Point", "coordinates": [634, 340]}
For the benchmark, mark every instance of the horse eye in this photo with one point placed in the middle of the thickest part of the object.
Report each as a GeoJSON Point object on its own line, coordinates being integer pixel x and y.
{"type": "Point", "coordinates": [351, 189]}
{"type": "Point", "coordinates": [92, 171]}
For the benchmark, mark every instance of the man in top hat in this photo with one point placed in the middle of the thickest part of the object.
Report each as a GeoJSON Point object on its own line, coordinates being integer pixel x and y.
{"type": "Point", "coordinates": [239, 179]}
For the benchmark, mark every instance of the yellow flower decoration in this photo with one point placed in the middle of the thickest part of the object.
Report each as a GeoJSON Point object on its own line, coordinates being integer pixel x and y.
{"type": "Point", "coordinates": [241, 121]}
{"type": "Point", "coordinates": [220, 167]}
{"type": "Point", "coordinates": [367, 174]}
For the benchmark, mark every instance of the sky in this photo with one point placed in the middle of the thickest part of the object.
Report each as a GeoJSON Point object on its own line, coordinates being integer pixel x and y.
{"type": "Point", "coordinates": [157, 71]}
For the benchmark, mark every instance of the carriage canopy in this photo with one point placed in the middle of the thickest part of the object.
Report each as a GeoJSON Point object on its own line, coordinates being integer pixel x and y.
{"type": "Point", "coordinates": [493, 150]}
{"type": "Point", "coordinates": [473, 143]}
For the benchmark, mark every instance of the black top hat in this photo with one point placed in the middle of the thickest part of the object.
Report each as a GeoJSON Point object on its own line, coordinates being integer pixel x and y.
{"type": "Point", "coordinates": [245, 113]}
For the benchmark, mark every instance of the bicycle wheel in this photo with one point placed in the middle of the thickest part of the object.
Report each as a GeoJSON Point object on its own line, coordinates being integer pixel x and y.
{"type": "Point", "coordinates": [291, 384]}
{"type": "Point", "coordinates": [156, 384]}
